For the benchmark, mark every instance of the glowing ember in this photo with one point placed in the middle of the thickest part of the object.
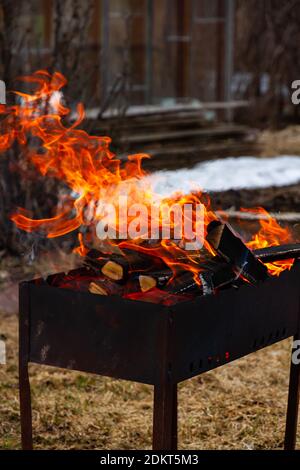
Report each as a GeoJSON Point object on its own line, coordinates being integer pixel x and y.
{"type": "Point", "coordinates": [92, 173]}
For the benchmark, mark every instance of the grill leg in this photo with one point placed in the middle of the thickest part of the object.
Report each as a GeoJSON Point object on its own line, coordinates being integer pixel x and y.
{"type": "Point", "coordinates": [24, 384]}
{"type": "Point", "coordinates": [25, 407]}
{"type": "Point", "coordinates": [165, 416]}
{"type": "Point", "coordinates": [293, 406]}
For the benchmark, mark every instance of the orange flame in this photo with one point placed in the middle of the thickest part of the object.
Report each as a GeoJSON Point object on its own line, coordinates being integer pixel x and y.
{"type": "Point", "coordinates": [270, 234]}
{"type": "Point", "coordinates": [92, 172]}
{"type": "Point", "coordinates": [82, 161]}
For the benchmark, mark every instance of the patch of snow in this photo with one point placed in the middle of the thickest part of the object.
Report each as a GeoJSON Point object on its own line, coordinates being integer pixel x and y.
{"type": "Point", "coordinates": [229, 173]}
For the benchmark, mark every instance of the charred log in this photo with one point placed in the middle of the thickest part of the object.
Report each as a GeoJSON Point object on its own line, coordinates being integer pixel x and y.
{"type": "Point", "coordinates": [185, 283]}
{"type": "Point", "coordinates": [222, 276]}
{"type": "Point", "coordinates": [232, 249]}
{"type": "Point", "coordinates": [277, 253]}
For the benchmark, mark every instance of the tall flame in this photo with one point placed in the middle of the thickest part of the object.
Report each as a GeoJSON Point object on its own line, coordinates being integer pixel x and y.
{"type": "Point", "coordinates": [92, 172]}
{"type": "Point", "coordinates": [83, 162]}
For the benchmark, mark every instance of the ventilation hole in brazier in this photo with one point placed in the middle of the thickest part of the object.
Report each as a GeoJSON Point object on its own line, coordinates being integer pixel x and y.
{"type": "Point", "coordinates": [191, 366]}
{"type": "Point", "coordinates": [283, 331]}
{"type": "Point", "coordinates": [262, 341]}
{"type": "Point", "coordinates": [277, 334]}
{"type": "Point", "coordinates": [254, 343]}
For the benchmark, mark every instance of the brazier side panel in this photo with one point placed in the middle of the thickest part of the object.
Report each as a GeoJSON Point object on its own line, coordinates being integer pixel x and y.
{"type": "Point", "coordinates": [216, 329]}
{"type": "Point", "coordinates": [104, 335]}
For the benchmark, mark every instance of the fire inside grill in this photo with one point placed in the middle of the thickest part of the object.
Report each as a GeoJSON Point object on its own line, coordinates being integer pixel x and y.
{"type": "Point", "coordinates": [137, 275]}
{"type": "Point", "coordinates": [156, 270]}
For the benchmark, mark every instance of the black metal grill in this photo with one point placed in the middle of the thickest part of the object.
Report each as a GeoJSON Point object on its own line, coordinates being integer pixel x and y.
{"type": "Point", "coordinates": [155, 344]}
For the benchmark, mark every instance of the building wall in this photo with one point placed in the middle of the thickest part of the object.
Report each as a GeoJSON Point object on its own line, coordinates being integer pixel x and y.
{"type": "Point", "coordinates": [176, 47]}
{"type": "Point", "coordinates": [147, 50]}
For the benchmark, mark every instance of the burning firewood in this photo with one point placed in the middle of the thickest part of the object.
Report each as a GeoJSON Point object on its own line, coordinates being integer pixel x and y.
{"type": "Point", "coordinates": [110, 265]}
{"type": "Point", "coordinates": [115, 269]}
{"type": "Point", "coordinates": [95, 288]}
{"type": "Point", "coordinates": [185, 283]}
{"type": "Point", "coordinates": [95, 259]}
{"type": "Point", "coordinates": [134, 273]}
{"type": "Point", "coordinates": [232, 249]}
{"type": "Point", "coordinates": [118, 266]}
{"type": "Point", "coordinates": [221, 277]}
{"type": "Point", "coordinates": [216, 276]}
{"type": "Point", "coordinates": [154, 279]}
{"type": "Point", "coordinates": [278, 253]}
{"type": "Point", "coordinates": [147, 282]}
{"type": "Point", "coordinates": [105, 287]}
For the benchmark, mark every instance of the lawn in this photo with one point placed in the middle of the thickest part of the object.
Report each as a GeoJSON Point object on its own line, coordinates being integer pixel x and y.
{"type": "Point", "coordinates": [239, 406]}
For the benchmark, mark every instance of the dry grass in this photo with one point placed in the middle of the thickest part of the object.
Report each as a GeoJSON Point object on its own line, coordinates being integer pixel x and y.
{"type": "Point", "coordinates": [275, 142]}
{"type": "Point", "coordinates": [239, 406]}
